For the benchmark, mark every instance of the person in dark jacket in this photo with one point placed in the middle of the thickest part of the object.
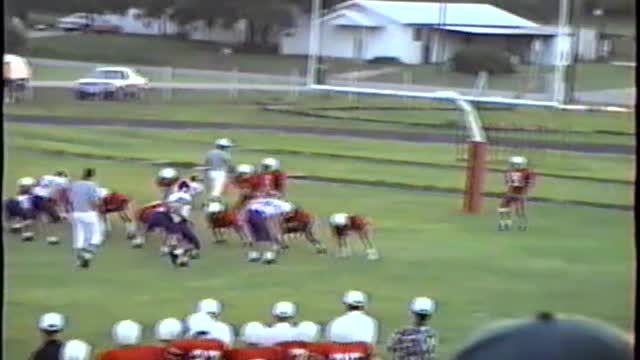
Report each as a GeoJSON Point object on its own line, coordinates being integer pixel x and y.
{"type": "Point", "coordinates": [51, 326]}
{"type": "Point", "coordinates": [418, 341]}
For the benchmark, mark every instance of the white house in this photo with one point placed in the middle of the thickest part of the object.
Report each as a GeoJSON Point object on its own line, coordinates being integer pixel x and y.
{"type": "Point", "coordinates": [419, 32]}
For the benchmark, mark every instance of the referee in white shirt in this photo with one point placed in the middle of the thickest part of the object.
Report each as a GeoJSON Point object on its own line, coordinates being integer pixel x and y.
{"type": "Point", "coordinates": [87, 234]}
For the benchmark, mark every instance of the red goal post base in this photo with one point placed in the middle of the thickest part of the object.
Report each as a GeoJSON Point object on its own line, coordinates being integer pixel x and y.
{"type": "Point", "coordinates": [476, 171]}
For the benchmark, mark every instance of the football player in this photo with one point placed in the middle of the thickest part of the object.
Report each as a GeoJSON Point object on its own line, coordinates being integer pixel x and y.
{"type": "Point", "coordinates": [127, 335]}
{"type": "Point", "coordinates": [48, 196]}
{"type": "Point", "coordinates": [213, 308]}
{"type": "Point", "coordinates": [19, 209]}
{"type": "Point", "coordinates": [222, 219]}
{"type": "Point", "coordinates": [76, 350]}
{"type": "Point", "coordinates": [344, 343]}
{"type": "Point", "coordinates": [168, 330]}
{"type": "Point", "coordinates": [519, 180]}
{"type": "Point", "coordinates": [299, 221]}
{"type": "Point", "coordinates": [258, 347]}
{"type": "Point", "coordinates": [197, 345]}
{"type": "Point", "coordinates": [180, 230]}
{"type": "Point", "coordinates": [113, 202]}
{"type": "Point", "coordinates": [305, 334]}
{"type": "Point", "coordinates": [271, 177]}
{"type": "Point", "coordinates": [247, 183]}
{"type": "Point", "coordinates": [342, 225]}
{"type": "Point", "coordinates": [166, 181]}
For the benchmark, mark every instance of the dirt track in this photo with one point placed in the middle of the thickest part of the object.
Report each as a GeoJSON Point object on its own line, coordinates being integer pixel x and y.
{"type": "Point", "coordinates": [353, 133]}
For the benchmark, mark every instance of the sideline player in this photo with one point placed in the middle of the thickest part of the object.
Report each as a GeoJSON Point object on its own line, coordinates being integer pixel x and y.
{"type": "Point", "coordinates": [198, 345]}
{"type": "Point", "coordinates": [519, 180]}
{"type": "Point", "coordinates": [255, 336]}
{"type": "Point", "coordinates": [127, 335]}
{"type": "Point", "coordinates": [419, 340]}
{"type": "Point", "coordinates": [356, 317]}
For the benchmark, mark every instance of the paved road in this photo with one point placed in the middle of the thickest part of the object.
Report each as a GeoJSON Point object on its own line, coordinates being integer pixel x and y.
{"type": "Point", "coordinates": [351, 133]}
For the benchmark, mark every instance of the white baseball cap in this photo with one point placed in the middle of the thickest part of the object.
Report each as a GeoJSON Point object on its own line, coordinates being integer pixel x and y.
{"type": "Point", "coordinates": [308, 331]}
{"type": "Point", "coordinates": [51, 322]}
{"type": "Point", "coordinates": [75, 350]}
{"type": "Point", "coordinates": [126, 333]}
{"type": "Point", "coordinates": [422, 305]}
{"type": "Point", "coordinates": [209, 306]}
{"type": "Point", "coordinates": [355, 298]}
{"type": "Point", "coordinates": [168, 329]}
{"type": "Point", "coordinates": [224, 142]}
{"type": "Point", "coordinates": [284, 309]}
{"type": "Point", "coordinates": [199, 323]}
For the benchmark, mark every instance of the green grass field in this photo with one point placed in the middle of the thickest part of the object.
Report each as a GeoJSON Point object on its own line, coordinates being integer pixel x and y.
{"type": "Point", "coordinates": [173, 52]}
{"type": "Point", "coordinates": [334, 111]}
{"type": "Point", "coordinates": [448, 261]}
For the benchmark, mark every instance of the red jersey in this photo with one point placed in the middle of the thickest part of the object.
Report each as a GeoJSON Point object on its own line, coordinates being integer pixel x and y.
{"type": "Point", "coordinates": [357, 223]}
{"type": "Point", "coordinates": [263, 353]}
{"type": "Point", "coordinates": [134, 353]}
{"type": "Point", "coordinates": [519, 181]}
{"type": "Point", "coordinates": [195, 350]}
{"type": "Point", "coordinates": [250, 184]}
{"type": "Point", "coordinates": [294, 349]}
{"type": "Point", "coordinates": [279, 181]}
{"type": "Point", "coordinates": [114, 202]}
{"type": "Point", "coordinates": [144, 214]}
{"type": "Point", "coordinates": [333, 351]}
{"type": "Point", "coordinates": [224, 219]}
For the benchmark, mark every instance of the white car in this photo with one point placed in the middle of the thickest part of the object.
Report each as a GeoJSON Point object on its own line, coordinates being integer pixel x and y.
{"type": "Point", "coordinates": [74, 22]}
{"type": "Point", "coordinates": [113, 83]}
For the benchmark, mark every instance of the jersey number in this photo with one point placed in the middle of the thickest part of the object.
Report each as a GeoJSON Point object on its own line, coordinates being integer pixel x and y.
{"type": "Point", "coordinates": [204, 355]}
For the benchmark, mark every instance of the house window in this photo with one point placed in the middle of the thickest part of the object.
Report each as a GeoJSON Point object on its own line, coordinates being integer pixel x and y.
{"type": "Point", "coordinates": [417, 34]}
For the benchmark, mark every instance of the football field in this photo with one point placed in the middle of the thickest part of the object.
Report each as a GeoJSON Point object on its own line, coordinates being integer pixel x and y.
{"type": "Point", "coordinates": [573, 259]}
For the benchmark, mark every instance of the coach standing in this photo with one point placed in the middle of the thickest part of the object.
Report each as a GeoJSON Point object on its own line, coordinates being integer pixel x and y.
{"type": "Point", "coordinates": [87, 232]}
{"type": "Point", "coordinates": [218, 162]}
{"type": "Point", "coordinates": [51, 326]}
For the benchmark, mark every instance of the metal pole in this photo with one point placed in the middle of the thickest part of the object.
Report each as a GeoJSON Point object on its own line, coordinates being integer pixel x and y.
{"type": "Point", "coordinates": [314, 29]}
{"type": "Point", "coordinates": [574, 13]}
{"type": "Point", "coordinates": [560, 59]}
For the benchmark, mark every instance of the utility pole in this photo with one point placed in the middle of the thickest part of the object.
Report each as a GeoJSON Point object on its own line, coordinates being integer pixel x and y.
{"type": "Point", "coordinates": [575, 12]}
{"type": "Point", "coordinates": [314, 58]}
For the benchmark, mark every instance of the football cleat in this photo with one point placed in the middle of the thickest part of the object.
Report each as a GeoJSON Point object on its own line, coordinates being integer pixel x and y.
{"type": "Point", "coordinates": [194, 254]}
{"type": "Point", "coordinates": [253, 256]}
{"type": "Point", "coordinates": [182, 261]}
{"type": "Point", "coordinates": [28, 236]}
{"type": "Point", "coordinates": [137, 242]}
{"type": "Point", "coordinates": [164, 250]}
{"type": "Point", "coordinates": [269, 257]}
{"type": "Point", "coordinates": [372, 254]}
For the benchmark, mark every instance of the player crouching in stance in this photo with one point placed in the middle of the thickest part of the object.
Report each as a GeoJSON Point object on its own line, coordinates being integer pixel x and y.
{"type": "Point", "coordinates": [344, 224]}
{"type": "Point", "coordinates": [300, 222]}
{"type": "Point", "coordinates": [262, 218]}
{"type": "Point", "coordinates": [519, 178]}
{"type": "Point", "coordinates": [221, 219]}
{"type": "Point", "coordinates": [183, 242]}
{"type": "Point", "coordinates": [113, 202]}
{"type": "Point", "coordinates": [19, 209]}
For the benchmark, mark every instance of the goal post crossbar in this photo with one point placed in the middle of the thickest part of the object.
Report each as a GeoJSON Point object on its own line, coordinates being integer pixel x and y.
{"type": "Point", "coordinates": [476, 163]}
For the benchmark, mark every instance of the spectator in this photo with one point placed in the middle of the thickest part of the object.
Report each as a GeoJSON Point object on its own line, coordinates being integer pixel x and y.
{"type": "Point", "coordinates": [283, 329]}
{"type": "Point", "coordinates": [50, 325]}
{"type": "Point", "coordinates": [418, 341]}
{"type": "Point", "coordinates": [356, 303]}
{"type": "Point", "coordinates": [213, 308]}
{"type": "Point", "coordinates": [548, 337]}
{"type": "Point", "coordinates": [168, 330]}
{"type": "Point", "coordinates": [75, 350]}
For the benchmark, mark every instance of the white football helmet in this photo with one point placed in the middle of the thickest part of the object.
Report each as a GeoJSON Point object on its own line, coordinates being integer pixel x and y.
{"type": "Point", "coordinates": [168, 173]}
{"type": "Point", "coordinates": [26, 182]}
{"type": "Point", "coordinates": [126, 333]}
{"type": "Point", "coordinates": [270, 164]}
{"type": "Point", "coordinates": [422, 306]}
{"type": "Point", "coordinates": [199, 323]}
{"type": "Point", "coordinates": [168, 329]}
{"type": "Point", "coordinates": [354, 298]}
{"type": "Point", "coordinates": [517, 162]}
{"type": "Point", "coordinates": [75, 350]}
{"type": "Point", "coordinates": [339, 219]}
{"type": "Point", "coordinates": [284, 309]}
{"type": "Point", "coordinates": [215, 207]}
{"type": "Point", "coordinates": [308, 331]}
{"type": "Point", "coordinates": [224, 143]}
{"type": "Point", "coordinates": [244, 169]}
{"type": "Point", "coordinates": [253, 333]}
{"type": "Point", "coordinates": [209, 306]}
{"type": "Point", "coordinates": [102, 192]}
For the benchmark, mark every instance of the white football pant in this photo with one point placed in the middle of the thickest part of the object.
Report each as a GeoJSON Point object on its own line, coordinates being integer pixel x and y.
{"type": "Point", "coordinates": [87, 229]}
{"type": "Point", "coordinates": [217, 180]}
